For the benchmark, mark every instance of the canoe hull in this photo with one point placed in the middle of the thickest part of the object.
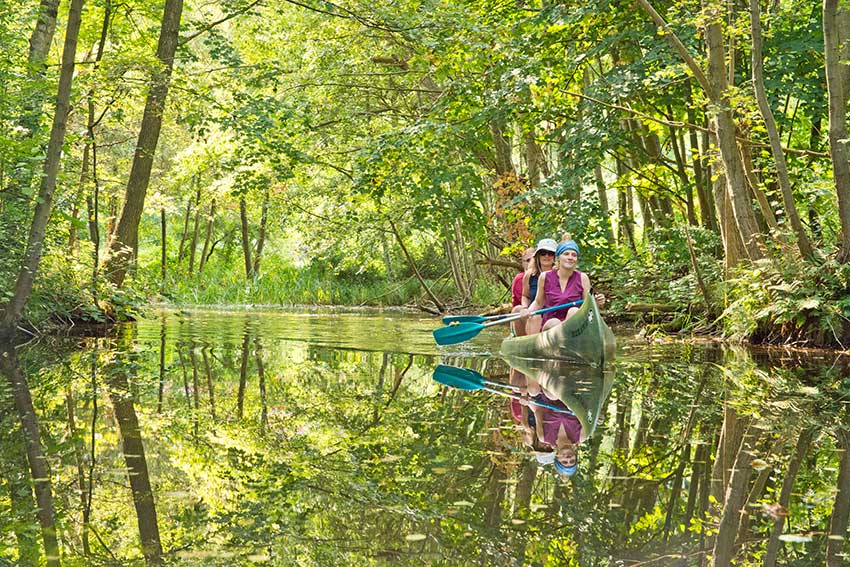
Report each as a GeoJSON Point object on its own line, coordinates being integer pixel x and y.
{"type": "Point", "coordinates": [584, 338]}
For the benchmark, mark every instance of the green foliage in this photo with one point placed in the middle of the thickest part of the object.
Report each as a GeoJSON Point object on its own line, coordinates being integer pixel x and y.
{"type": "Point", "coordinates": [791, 302]}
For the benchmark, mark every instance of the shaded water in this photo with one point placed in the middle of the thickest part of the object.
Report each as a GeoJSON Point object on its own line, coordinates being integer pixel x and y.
{"type": "Point", "coordinates": [286, 438]}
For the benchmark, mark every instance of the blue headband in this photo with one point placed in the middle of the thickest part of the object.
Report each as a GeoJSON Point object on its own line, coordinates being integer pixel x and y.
{"type": "Point", "coordinates": [568, 245]}
{"type": "Point", "coordinates": [565, 470]}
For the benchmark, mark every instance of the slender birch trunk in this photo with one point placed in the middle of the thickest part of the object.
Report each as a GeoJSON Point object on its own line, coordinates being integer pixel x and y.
{"type": "Point", "coordinates": [32, 257]}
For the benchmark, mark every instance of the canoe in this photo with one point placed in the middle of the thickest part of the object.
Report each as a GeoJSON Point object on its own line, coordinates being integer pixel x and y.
{"type": "Point", "coordinates": [582, 389]}
{"type": "Point", "coordinates": [584, 338]}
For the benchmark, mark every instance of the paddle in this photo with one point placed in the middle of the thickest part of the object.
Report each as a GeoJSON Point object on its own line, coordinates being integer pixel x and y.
{"type": "Point", "coordinates": [452, 319]}
{"type": "Point", "coordinates": [467, 375]}
{"type": "Point", "coordinates": [461, 332]}
{"type": "Point", "coordinates": [465, 379]}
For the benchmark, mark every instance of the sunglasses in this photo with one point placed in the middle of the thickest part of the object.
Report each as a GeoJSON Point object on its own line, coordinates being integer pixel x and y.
{"type": "Point", "coordinates": [546, 253]}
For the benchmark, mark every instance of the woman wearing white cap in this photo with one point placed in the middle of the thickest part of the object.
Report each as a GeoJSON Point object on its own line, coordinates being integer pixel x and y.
{"type": "Point", "coordinates": [544, 260]}
{"type": "Point", "coordinates": [562, 285]}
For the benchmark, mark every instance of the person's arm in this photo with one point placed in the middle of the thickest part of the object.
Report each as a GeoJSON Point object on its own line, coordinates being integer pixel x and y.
{"type": "Point", "coordinates": [585, 283]}
{"type": "Point", "coordinates": [539, 299]}
{"type": "Point", "coordinates": [526, 289]}
{"type": "Point", "coordinates": [538, 422]}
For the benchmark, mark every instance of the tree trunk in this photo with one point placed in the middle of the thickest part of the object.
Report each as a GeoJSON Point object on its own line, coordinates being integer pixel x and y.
{"type": "Point", "coordinates": [39, 466]}
{"type": "Point", "coordinates": [261, 236]}
{"type": "Point", "coordinates": [127, 233]}
{"type": "Point", "coordinates": [702, 182]}
{"type": "Point", "coordinates": [766, 210]}
{"type": "Point", "coordinates": [210, 383]}
{"type": "Point", "coordinates": [602, 194]}
{"type": "Point", "coordinates": [137, 466]}
{"type": "Point", "coordinates": [243, 373]}
{"type": "Point", "coordinates": [437, 302]}
{"type": "Point", "coordinates": [32, 257]}
{"type": "Point", "coordinates": [163, 259]}
{"type": "Point", "coordinates": [800, 451]}
{"type": "Point", "coordinates": [725, 128]}
{"type": "Point", "coordinates": [803, 242]}
{"type": "Point", "coordinates": [185, 233]}
{"type": "Point", "coordinates": [501, 147]}
{"type": "Point", "coordinates": [836, 32]}
{"type": "Point", "coordinates": [841, 508]}
{"type": "Point", "coordinates": [736, 495]}
{"type": "Point", "coordinates": [196, 230]}
{"type": "Point", "coordinates": [246, 237]}
{"type": "Point", "coordinates": [208, 238]}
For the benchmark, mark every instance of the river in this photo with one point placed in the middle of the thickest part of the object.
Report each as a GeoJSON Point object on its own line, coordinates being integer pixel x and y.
{"type": "Point", "coordinates": [252, 437]}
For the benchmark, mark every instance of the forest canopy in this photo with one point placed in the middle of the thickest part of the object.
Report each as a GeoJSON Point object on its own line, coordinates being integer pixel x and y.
{"type": "Point", "coordinates": [391, 153]}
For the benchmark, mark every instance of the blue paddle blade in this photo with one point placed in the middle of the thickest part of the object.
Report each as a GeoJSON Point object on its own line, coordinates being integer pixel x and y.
{"type": "Point", "coordinates": [455, 377]}
{"type": "Point", "coordinates": [459, 333]}
{"type": "Point", "coordinates": [453, 319]}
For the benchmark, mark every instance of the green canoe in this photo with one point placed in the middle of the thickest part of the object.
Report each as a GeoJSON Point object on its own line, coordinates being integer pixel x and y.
{"type": "Point", "coordinates": [584, 338]}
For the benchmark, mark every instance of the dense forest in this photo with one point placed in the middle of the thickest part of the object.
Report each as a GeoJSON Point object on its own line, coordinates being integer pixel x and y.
{"type": "Point", "coordinates": [388, 153]}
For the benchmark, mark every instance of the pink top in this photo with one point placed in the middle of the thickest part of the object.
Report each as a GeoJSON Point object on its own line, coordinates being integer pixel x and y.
{"type": "Point", "coordinates": [552, 422]}
{"type": "Point", "coordinates": [554, 295]}
{"type": "Point", "coordinates": [516, 290]}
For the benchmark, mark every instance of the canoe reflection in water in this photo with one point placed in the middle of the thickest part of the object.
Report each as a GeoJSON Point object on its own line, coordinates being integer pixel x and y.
{"type": "Point", "coordinates": [556, 405]}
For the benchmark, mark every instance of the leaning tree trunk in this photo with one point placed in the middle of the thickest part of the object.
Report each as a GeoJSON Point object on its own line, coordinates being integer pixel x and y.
{"type": "Point", "coordinates": [724, 123]}
{"type": "Point", "coordinates": [196, 230]}
{"type": "Point", "coordinates": [412, 264]}
{"type": "Point", "coordinates": [261, 235]}
{"type": "Point", "coordinates": [800, 451]}
{"type": "Point", "coordinates": [32, 257]}
{"type": "Point", "coordinates": [836, 31]}
{"type": "Point", "coordinates": [126, 235]}
{"type": "Point", "coordinates": [736, 495]}
{"type": "Point", "coordinates": [39, 466]}
{"type": "Point", "coordinates": [208, 237]}
{"type": "Point", "coordinates": [137, 466]}
{"type": "Point", "coordinates": [246, 237]}
{"type": "Point", "coordinates": [841, 507]}
{"type": "Point", "coordinates": [803, 242]}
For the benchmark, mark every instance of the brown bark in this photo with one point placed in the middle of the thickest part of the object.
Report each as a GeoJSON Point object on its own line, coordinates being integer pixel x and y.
{"type": "Point", "coordinates": [181, 248]}
{"type": "Point", "coordinates": [38, 464]}
{"type": "Point", "coordinates": [137, 466]}
{"type": "Point", "coordinates": [841, 508]}
{"type": "Point", "coordinates": [602, 194]}
{"type": "Point", "coordinates": [163, 259]}
{"type": "Point", "coordinates": [32, 257]}
{"type": "Point", "coordinates": [803, 242]}
{"type": "Point", "coordinates": [261, 236]}
{"type": "Point", "coordinates": [243, 374]}
{"type": "Point", "coordinates": [836, 33]}
{"type": "Point", "coordinates": [412, 264]}
{"type": "Point", "coordinates": [501, 147]}
{"type": "Point", "coordinates": [246, 237]}
{"type": "Point", "coordinates": [800, 451]}
{"type": "Point", "coordinates": [736, 495]}
{"type": "Point", "coordinates": [196, 230]}
{"type": "Point", "coordinates": [725, 128]}
{"type": "Point", "coordinates": [208, 238]}
{"type": "Point", "coordinates": [126, 235]}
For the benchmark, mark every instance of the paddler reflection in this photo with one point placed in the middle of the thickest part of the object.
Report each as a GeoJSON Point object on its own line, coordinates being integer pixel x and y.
{"type": "Point", "coordinates": [559, 406]}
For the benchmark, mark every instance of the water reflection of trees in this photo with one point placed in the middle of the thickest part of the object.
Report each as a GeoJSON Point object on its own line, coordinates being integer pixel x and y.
{"type": "Point", "coordinates": [275, 449]}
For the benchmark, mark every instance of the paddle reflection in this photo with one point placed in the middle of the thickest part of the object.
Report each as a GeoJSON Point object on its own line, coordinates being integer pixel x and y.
{"type": "Point", "coordinates": [555, 406]}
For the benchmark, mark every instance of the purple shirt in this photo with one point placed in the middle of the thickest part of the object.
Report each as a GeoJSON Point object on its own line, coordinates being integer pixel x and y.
{"type": "Point", "coordinates": [555, 296]}
{"type": "Point", "coordinates": [552, 422]}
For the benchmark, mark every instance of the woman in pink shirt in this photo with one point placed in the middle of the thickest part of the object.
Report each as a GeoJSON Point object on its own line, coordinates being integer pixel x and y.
{"type": "Point", "coordinates": [564, 284]}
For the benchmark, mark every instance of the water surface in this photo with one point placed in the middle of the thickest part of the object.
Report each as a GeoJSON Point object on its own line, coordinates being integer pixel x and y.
{"type": "Point", "coordinates": [320, 438]}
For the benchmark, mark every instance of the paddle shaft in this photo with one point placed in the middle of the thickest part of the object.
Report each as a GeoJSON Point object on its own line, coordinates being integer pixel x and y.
{"type": "Point", "coordinates": [541, 404]}
{"type": "Point", "coordinates": [538, 312]}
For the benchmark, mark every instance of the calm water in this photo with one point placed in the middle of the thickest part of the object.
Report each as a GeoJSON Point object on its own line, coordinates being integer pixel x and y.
{"type": "Point", "coordinates": [321, 438]}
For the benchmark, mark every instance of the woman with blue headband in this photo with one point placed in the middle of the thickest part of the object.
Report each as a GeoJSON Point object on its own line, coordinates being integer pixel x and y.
{"type": "Point", "coordinates": [564, 284]}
